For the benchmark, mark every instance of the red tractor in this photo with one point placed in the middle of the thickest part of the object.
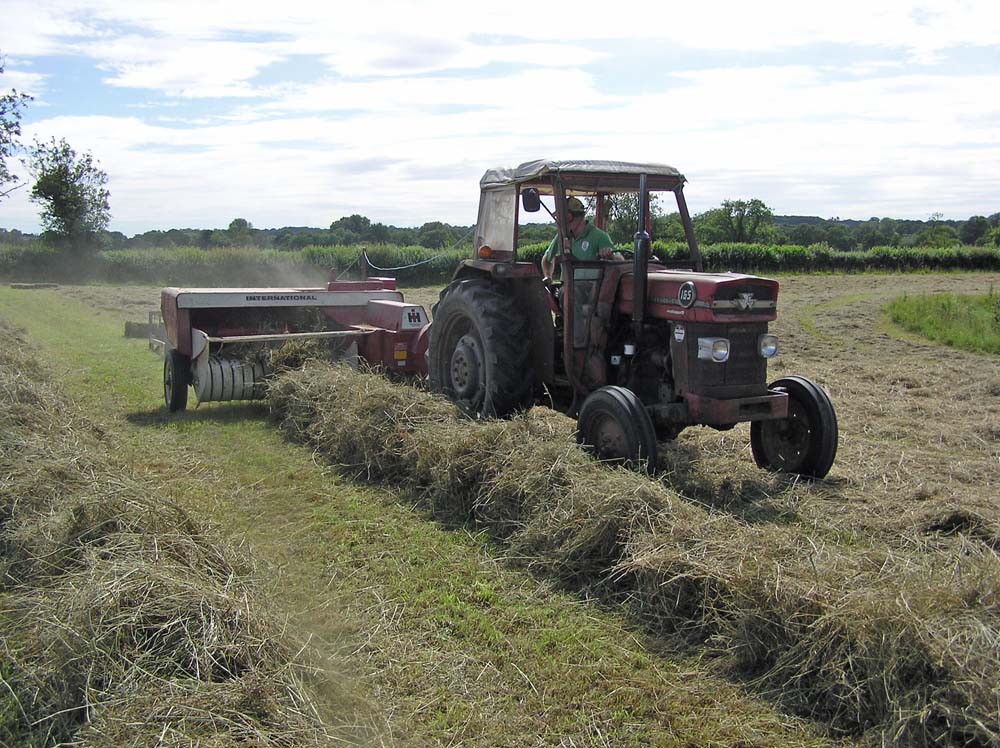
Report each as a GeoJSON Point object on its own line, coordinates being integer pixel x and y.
{"type": "Point", "coordinates": [636, 351]}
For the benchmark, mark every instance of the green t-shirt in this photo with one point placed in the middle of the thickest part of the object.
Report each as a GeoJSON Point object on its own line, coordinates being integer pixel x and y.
{"type": "Point", "coordinates": [586, 246]}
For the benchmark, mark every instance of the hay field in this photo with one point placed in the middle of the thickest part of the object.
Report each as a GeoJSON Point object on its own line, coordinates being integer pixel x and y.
{"type": "Point", "coordinates": [453, 645]}
{"type": "Point", "coordinates": [866, 603]}
{"type": "Point", "coordinates": [919, 453]}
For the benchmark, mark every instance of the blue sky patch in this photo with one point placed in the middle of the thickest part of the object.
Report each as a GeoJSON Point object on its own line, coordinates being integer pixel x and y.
{"type": "Point", "coordinates": [74, 86]}
{"type": "Point", "coordinates": [292, 70]}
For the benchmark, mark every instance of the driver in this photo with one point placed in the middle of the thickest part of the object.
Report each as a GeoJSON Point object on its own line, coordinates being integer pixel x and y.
{"type": "Point", "coordinates": [584, 240]}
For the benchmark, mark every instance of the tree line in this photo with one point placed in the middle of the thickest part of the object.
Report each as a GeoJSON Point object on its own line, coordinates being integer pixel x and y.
{"type": "Point", "coordinates": [735, 221]}
{"type": "Point", "coordinates": [752, 221]}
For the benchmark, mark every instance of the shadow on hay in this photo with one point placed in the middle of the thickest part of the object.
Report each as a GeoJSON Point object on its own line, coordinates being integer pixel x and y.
{"type": "Point", "coordinates": [962, 522]}
{"type": "Point", "coordinates": [236, 412]}
{"type": "Point", "coordinates": [745, 491]}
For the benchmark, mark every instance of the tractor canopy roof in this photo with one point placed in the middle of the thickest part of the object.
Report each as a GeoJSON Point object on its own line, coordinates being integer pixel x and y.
{"type": "Point", "coordinates": [584, 176]}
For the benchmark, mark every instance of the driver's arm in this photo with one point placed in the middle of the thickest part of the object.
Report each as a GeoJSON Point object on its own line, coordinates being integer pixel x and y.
{"type": "Point", "coordinates": [549, 259]}
{"type": "Point", "coordinates": [548, 267]}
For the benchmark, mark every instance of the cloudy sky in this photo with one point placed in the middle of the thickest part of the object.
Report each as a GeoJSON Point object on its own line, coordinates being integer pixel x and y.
{"type": "Point", "coordinates": [298, 113]}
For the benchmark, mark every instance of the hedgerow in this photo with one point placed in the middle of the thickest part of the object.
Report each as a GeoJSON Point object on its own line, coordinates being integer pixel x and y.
{"type": "Point", "coordinates": [416, 265]}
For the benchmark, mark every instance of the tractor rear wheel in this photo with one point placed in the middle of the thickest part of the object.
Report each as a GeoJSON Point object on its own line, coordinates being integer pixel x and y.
{"type": "Point", "coordinates": [614, 426]}
{"type": "Point", "coordinates": [176, 377]}
{"type": "Point", "coordinates": [478, 352]}
{"type": "Point", "coordinates": [805, 442]}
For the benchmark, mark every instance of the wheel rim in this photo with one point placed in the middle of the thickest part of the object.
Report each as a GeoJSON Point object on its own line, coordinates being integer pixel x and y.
{"type": "Point", "coordinates": [786, 441]}
{"type": "Point", "coordinates": [608, 438]}
{"type": "Point", "coordinates": [466, 367]}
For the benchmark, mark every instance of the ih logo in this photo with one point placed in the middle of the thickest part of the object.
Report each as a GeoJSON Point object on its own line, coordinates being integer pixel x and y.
{"type": "Point", "coordinates": [745, 301]}
{"type": "Point", "coordinates": [413, 317]}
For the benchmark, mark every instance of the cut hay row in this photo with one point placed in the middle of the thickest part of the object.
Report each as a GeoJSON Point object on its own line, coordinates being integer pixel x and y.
{"type": "Point", "coordinates": [121, 621]}
{"type": "Point", "coordinates": [901, 648]}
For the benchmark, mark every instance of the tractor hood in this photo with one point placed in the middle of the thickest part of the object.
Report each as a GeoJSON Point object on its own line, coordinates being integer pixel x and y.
{"type": "Point", "coordinates": [704, 297]}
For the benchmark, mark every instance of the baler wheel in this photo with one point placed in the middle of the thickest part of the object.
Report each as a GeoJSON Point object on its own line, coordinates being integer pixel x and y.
{"type": "Point", "coordinates": [478, 352]}
{"type": "Point", "coordinates": [176, 377]}
{"type": "Point", "coordinates": [805, 442]}
{"type": "Point", "coordinates": [614, 426]}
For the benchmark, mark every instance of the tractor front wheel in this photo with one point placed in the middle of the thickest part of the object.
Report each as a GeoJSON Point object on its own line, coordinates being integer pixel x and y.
{"type": "Point", "coordinates": [478, 352]}
{"type": "Point", "coordinates": [176, 377]}
{"type": "Point", "coordinates": [614, 426]}
{"type": "Point", "coordinates": [805, 442]}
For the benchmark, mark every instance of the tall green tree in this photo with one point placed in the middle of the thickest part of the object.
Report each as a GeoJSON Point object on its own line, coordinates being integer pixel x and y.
{"type": "Point", "coordinates": [974, 229]}
{"type": "Point", "coordinates": [936, 234]}
{"type": "Point", "coordinates": [355, 223]}
{"type": "Point", "coordinates": [623, 215]}
{"type": "Point", "coordinates": [435, 235]}
{"type": "Point", "coordinates": [11, 104]}
{"type": "Point", "coordinates": [746, 218]}
{"type": "Point", "coordinates": [735, 221]}
{"type": "Point", "coordinates": [72, 190]}
{"type": "Point", "coordinates": [240, 232]}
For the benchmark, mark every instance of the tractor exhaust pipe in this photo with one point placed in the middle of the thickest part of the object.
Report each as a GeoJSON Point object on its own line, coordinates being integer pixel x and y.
{"type": "Point", "coordinates": [640, 263]}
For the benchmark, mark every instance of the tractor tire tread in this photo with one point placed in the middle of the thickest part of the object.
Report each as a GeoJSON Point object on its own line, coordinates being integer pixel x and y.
{"type": "Point", "coordinates": [503, 330]}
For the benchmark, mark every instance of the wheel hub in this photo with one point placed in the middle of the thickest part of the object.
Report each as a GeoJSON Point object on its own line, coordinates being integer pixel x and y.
{"type": "Point", "coordinates": [466, 367]}
{"type": "Point", "coordinates": [168, 383]}
{"type": "Point", "coordinates": [609, 438]}
{"type": "Point", "coordinates": [789, 438]}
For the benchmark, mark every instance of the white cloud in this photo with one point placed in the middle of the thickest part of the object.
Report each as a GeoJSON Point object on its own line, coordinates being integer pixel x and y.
{"type": "Point", "coordinates": [408, 104]}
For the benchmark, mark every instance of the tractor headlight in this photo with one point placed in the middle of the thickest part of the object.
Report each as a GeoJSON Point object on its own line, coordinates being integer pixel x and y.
{"type": "Point", "coordinates": [767, 346]}
{"type": "Point", "coordinates": [713, 349]}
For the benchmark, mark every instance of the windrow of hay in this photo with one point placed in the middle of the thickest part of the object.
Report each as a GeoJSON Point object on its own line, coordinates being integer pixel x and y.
{"type": "Point", "coordinates": [901, 648]}
{"type": "Point", "coordinates": [121, 621]}
{"type": "Point", "coordinates": [860, 639]}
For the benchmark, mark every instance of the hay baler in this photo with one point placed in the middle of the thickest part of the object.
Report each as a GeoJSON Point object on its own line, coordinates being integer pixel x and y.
{"type": "Point", "coordinates": [216, 336]}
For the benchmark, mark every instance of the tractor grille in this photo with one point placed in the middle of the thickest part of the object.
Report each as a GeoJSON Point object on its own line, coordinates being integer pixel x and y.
{"type": "Point", "coordinates": [744, 299]}
{"type": "Point", "coordinates": [744, 374]}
